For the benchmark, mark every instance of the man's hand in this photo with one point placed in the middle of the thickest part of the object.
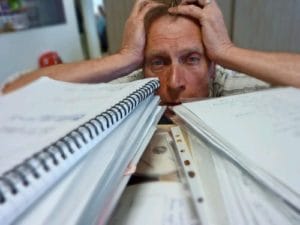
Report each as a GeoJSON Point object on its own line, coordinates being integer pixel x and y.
{"type": "Point", "coordinates": [214, 32]}
{"type": "Point", "coordinates": [134, 37]}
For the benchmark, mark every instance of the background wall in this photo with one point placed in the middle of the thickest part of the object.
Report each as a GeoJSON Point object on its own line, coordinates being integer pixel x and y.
{"type": "Point", "coordinates": [258, 24]}
{"type": "Point", "coordinates": [267, 24]}
{"type": "Point", "coordinates": [116, 14]}
{"type": "Point", "coordinates": [227, 7]}
{"type": "Point", "coordinates": [20, 50]}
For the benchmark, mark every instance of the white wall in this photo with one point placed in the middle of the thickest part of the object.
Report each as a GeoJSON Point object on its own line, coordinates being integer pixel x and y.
{"type": "Point", "coordinates": [19, 51]}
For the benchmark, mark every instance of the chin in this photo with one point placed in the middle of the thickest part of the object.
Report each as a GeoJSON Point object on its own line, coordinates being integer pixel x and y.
{"type": "Point", "coordinates": [170, 102]}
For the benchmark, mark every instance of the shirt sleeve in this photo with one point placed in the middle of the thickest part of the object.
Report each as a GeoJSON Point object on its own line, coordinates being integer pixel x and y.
{"type": "Point", "coordinates": [228, 82]}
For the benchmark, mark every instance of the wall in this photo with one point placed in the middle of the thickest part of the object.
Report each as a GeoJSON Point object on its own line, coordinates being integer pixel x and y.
{"type": "Point", "coordinates": [267, 24]}
{"type": "Point", "coordinates": [19, 51]}
{"type": "Point", "coordinates": [257, 24]}
{"type": "Point", "coordinates": [117, 13]}
{"type": "Point", "coordinates": [227, 7]}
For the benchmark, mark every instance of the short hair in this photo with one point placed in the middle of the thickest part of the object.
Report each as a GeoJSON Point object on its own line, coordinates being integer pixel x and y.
{"type": "Point", "coordinates": [162, 10]}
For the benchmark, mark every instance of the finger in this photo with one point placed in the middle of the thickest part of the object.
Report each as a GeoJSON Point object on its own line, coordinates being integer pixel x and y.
{"type": "Point", "coordinates": [201, 3]}
{"type": "Point", "coordinates": [138, 5]}
{"type": "Point", "coordinates": [187, 10]}
{"type": "Point", "coordinates": [148, 7]}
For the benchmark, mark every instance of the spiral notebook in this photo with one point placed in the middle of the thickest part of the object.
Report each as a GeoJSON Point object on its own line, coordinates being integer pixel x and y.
{"type": "Point", "coordinates": [47, 127]}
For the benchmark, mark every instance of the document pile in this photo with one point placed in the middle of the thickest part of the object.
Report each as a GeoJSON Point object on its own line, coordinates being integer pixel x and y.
{"type": "Point", "coordinates": [252, 143]}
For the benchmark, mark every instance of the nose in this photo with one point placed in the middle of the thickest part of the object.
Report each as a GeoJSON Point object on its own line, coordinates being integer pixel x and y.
{"type": "Point", "coordinates": [176, 80]}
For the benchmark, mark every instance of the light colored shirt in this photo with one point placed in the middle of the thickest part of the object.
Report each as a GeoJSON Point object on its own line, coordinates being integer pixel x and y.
{"type": "Point", "coordinates": [228, 82]}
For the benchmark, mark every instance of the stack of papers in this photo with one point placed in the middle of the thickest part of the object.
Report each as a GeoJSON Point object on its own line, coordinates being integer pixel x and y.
{"type": "Point", "coordinates": [232, 195]}
{"type": "Point", "coordinates": [257, 136]}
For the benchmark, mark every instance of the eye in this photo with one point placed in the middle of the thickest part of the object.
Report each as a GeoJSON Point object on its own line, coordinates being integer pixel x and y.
{"type": "Point", "coordinates": [157, 63]}
{"type": "Point", "coordinates": [193, 59]}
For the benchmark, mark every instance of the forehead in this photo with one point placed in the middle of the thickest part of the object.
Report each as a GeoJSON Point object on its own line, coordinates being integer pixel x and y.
{"type": "Point", "coordinates": [173, 33]}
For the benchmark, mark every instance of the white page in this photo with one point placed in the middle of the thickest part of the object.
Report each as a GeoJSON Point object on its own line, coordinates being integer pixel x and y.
{"type": "Point", "coordinates": [264, 127]}
{"type": "Point", "coordinates": [254, 201]}
{"type": "Point", "coordinates": [159, 203]}
{"type": "Point", "coordinates": [46, 110]}
{"type": "Point", "coordinates": [246, 201]}
{"type": "Point", "coordinates": [212, 187]}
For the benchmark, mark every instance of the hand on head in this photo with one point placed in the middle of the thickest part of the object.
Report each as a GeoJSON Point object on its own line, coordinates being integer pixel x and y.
{"type": "Point", "coordinates": [209, 15]}
{"type": "Point", "coordinates": [134, 33]}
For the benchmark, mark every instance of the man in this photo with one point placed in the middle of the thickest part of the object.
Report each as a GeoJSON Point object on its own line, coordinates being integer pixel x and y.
{"type": "Point", "coordinates": [178, 53]}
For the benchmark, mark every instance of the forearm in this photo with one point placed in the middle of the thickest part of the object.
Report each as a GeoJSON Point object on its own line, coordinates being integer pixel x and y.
{"type": "Point", "coordinates": [96, 70]}
{"type": "Point", "coordinates": [275, 68]}
{"type": "Point", "coordinates": [91, 71]}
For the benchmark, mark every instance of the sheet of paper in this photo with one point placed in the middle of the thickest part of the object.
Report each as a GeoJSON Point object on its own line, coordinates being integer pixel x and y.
{"type": "Point", "coordinates": [212, 187]}
{"type": "Point", "coordinates": [231, 190]}
{"type": "Point", "coordinates": [159, 203]}
{"type": "Point", "coordinates": [254, 203]}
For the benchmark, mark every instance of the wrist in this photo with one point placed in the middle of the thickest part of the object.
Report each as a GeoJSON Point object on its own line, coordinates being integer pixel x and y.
{"type": "Point", "coordinates": [125, 62]}
{"type": "Point", "coordinates": [135, 59]}
{"type": "Point", "coordinates": [224, 56]}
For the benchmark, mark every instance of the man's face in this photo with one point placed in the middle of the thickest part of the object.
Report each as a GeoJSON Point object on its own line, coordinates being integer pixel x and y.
{"type": "Point", "coordinates": [175, 54]}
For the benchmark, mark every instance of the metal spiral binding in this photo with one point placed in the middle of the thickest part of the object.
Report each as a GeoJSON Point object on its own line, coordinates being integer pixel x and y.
{"type": "Point", "coordinates": [31, 168]}
{"type": "Point", "coordinates": [66, 141]}
{"type": "Point", "coordinates": [93, 122]}
{"type": "Point", "coordinates": [108, 119]}
{"type": "Point", "coordinates": [85, 126]}
{"type": "Point", "coordinates": [51, 155]}
{"type": "Point", "coordinates": [96, 125]}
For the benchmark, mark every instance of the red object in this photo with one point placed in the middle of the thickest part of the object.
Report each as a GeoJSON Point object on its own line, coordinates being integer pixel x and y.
{"type": "Point", "coordinates": [49, 59]}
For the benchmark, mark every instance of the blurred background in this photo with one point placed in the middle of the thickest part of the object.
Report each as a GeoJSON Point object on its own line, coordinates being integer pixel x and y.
{"type": "Point", "coordinates": [74, 30]}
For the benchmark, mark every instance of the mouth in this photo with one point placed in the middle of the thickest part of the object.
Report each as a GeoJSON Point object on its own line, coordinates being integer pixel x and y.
{"type": "Point", "coordinates": [169, 103]}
